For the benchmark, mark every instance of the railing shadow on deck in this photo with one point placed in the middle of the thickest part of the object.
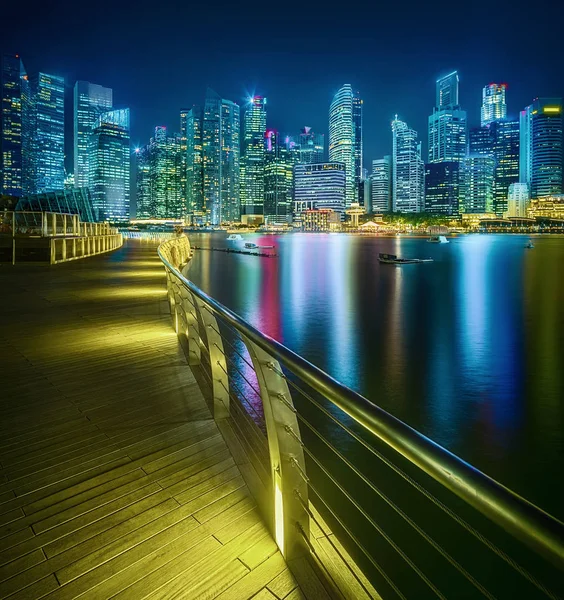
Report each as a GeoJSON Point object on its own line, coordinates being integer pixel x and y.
{"type": "Point", "coordinates": [355, 498]}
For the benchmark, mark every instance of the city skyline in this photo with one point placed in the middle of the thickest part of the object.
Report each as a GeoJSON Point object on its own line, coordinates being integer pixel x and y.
{"type": "Point", "coordinates": [391, 81]}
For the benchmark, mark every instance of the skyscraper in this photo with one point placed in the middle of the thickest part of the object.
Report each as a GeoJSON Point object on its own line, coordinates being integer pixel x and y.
{"type": "Point", "coordinates": [109, 165]}
{"type": "Point", "coordinates": [159, 177]}
{"type": "Point", "coordinates": [221, 171]}
{"type": "Point", "coordinates": [540, 149]}
{"type": "Point", "coordinates": [517, 200]}
{"type": "Point", "coordinates": [447, 124]}
{"type": "Point", "coordinates": [494, 107]}
{"type": "Point", "coordinates": [311, 146]}
{"type": "Point", "coordinates": [506, 154]}
{"type": "Point", "coordinates": [319, 186]}
{"type": "Point", "coordinates": [278, 179]}
{"type": "Point", "coordinates": [408, 188]}
{"type": "Point", "coordinates": [13, 80]}
{"type": "Point", "coordinates": [48, 132]}
{"type": "Point", "coordinates": [477, 184]}
{"type": "Point", "coordinates": [195, 204]}
{"type": "Point", "coordinates": [442, 188]}
{"type": "Point", "coordinates": [252, 189]}
{"type": "Point", "coordinates": [345, 137]}
{"type": "Point", "coordinates": [90, 101]}
{"type": "Point", "coordinates": [183, 157]}
{"type": "Point", "coordinates": [381, 185]}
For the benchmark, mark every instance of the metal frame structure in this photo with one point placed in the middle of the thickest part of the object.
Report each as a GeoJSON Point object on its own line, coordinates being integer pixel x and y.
{"type": "Point", "coordinates": [277, 368]}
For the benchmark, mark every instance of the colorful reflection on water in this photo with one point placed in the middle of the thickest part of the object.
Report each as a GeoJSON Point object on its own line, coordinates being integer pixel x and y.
{"type": "Point", "coordinates": [468, 349]}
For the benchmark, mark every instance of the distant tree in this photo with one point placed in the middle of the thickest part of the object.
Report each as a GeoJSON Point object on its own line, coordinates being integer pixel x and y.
{"type": "Point", "coordinates": [8, 202]}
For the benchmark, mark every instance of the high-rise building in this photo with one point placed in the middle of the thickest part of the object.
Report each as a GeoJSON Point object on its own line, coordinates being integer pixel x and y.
{"type": "Point", "coordinates": [345, 137]}
{"type": "Point", "coordinates": [408, 170]}
{"type": "Point", "coordinates": [159, 177]}
{"type": "Point", "coordinates": [311, 146]}
{"type": "Point", "coordinates": [494, 107]}
{"type": "Point", "coordinates": [90, 101]}
{"type": "Point", "coordinates": [48, 132]}
{"type": "Point", "coordinates": [221, 170]}
{"type": "Point", "coordinates": [13, 80]}
{"type": "Point", "coordinates": [540, 149]}
{"type": "Point", "coordinates": [195, 204]}
{"type": "Point", "coordinates": [109, 165]}
{"type": "Point", "coordinates": [517, 200]}
{"type": "Point", "coordinates": [319, 186]}
{"type": "Point", "coordinates": [447, 124]}
{"type": "Point", "coordinates": [481, 141]}
{"type": "Point", "coordinates": [252, 188]}
{"type": "Point", "coordinates": [442, 188]}
{"type": "Point", "coordinates": [477, 184]}
{"type": "Point", "coordinates": [183, 157]}
{"type": "Point", "coordinates": [381, 185]}
{"type": "Point", "coordinates": [278, 179]}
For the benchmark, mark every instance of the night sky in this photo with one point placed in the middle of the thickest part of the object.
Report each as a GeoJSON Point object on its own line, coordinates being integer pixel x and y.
{"type": "Point", "coordinates": [159, 56]}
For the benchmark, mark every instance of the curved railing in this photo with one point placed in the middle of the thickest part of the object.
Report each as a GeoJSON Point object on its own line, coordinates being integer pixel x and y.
{"type": "Point", "coordinates": [328, 500]}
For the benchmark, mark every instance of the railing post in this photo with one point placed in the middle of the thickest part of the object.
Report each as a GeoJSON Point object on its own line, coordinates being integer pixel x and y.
{"type": "Point", "coordinates": [192, 327]}
{"type": "Point", "coordinates": [64, 255]}
{"type": "Point", "coordinates": [291, 521]}
{"type": "Point", "coordinates": [53, 251]}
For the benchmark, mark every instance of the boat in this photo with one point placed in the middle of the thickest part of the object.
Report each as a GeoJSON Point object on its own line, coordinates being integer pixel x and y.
{"type": "Point", "coordinates": [392, 259]}
{"type": "Point", "coordinates": [234, 237]}
{"type": "Point", "coordinates": [250, 245]}
{"type": "Point", "coordinates": [529, 245]}
{"type": "Point", "coordinates": [438, 239]}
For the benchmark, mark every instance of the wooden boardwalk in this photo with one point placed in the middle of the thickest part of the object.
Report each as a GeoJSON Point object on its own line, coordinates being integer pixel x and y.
{"type": "Point", "coordinates": [115, 482]}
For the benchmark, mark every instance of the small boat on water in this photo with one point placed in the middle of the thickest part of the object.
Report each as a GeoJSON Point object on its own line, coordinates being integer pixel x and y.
{"type": "Point", "coordinates": [392, 259]}
{"type": "Point", "coordinates": [438, 239]}
{"type": "Point", "coordinates": [250, 245]}
{"type": "Point", "coordinates": [234, 237]}
{"type": "Point", "coordinates": [529, 245]}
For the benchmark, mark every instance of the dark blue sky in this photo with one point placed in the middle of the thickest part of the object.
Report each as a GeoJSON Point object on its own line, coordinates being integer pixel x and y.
{"type": "Point", "coordinates": [160, 56]}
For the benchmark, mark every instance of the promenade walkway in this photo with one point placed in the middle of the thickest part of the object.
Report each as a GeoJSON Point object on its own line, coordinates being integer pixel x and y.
{"type": "Point", "coordinates": [115, 481]}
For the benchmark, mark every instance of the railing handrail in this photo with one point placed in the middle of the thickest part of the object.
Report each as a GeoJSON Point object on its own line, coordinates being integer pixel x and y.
{"type": "Point", "coordinates": [532, 525]}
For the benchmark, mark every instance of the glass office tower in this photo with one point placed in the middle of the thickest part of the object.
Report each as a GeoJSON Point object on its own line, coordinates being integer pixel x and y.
{"type": "Point", "coordinates": [408, 189]}
{"type": "Point", "coordinates": [252, 180]}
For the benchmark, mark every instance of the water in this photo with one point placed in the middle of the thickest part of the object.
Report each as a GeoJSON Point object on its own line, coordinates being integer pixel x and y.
{"type": "Point", "coordinates": [468, 349]}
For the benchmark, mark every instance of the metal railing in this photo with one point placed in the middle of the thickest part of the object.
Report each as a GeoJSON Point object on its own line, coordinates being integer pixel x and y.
{"type": "Point", "coordinates": [53, 237]}
{"type": "Point", "coordinates": [342, 481]}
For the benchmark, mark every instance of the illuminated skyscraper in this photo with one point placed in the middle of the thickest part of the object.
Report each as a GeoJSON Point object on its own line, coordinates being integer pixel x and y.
{"type": "Point", "coordinates": [252, 188]}
{"type": "Point", "coordinates": [159, 177]}
{"type": "Point", "coordinates": [13, 79]}
{"type": "Point", "coordinates": [477, 184]}
{"type": "Point", "coordinates": [345, 137]}
{"type": "Point", "coordinates": [381, 185]}
{"type": "Point", "coordinates": [311, 146]}
{"type": "Point", "coordinates": [408, 187]}
{"type": "Point", "coordinates": [278, 179]}
{"type": "Point", "coordinates": [184, 156]}
{"type": "Point", "coordinates": [517, 200]}
{"type": "Point", "coordinates": [48, 132]}
{"type": "Point", "coordinates": [195, 204]}
{"type": "Point", "coordinates": [109, 165]}
{"type": "Point", "coordinates": [494, 107]}
{"type": "Point", "coordinates": [540, 150]}
{"type": "Point", "coordinates": [447, 91]}
{"type": "Point", "coordinates": [221, 170]}
{"type": "Point", "coordinates": [319, 186]}
{"type": "Point", "coordinates": [90, 101]}
{"type": "Point", "coordinates": [442, 188]}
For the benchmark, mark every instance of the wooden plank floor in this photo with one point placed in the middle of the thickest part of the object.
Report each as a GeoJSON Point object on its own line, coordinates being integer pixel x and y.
{"type": "Point", "coordinates": [114, 480]}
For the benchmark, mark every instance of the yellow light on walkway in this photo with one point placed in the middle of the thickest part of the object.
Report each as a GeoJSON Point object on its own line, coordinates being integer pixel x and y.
{"type": "Point", "coordinates": [278, 513]}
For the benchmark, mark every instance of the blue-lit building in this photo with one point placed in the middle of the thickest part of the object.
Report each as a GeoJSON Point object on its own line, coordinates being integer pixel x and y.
{"type": "Point", "coordinates": [195, 204]}
{"type": "Point", "coordinates": [252, 171]}
{"type": "Point", "coordinates": [75, 201]}
{"type": "Point", "coordinates": [109, 165]}
{"type": "Point", "coordinates": [541, 154]}
{"type": "Point", "coordinates": [47, 125]}
{"type": "Point", "coordinates": [278, 179]}
{"type": "Point", "coordinates": [221, 155]}
{"type": "Point", "coordinates": [381, 185]}
{"type": "Point", "coordinates": [477, 184]}
{"type": "Point", "coordinates": [319, 186]}
{"type": "Point", "coordinates": [408, 170]}
{"type": "Point", "coordinates": [310, 146]}
{"type": "Point", "coordinates": [442, 188]}
{"type": "Point", "coordinates": [90, 101]}
{"type": "Point", "coordinates": [494, 107]}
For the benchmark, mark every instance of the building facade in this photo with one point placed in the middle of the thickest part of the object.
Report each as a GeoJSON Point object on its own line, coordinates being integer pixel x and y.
{"type": "Point", "coordinates": [494, 107]}
{"type": "Point", "coordinates": [442, 191]}
{"type": "Point", "coordinates": [47, 125]}
{"type": "Point", "coordinates": [90, 101]}
{"type": "Point", "coordinates": [540, 150]}
{"type": "Point", "coordinates": [109, 165]}
{"type": "Point", "coordinates": [408, 170]}
{"type": "Point", "coordinates": [477, 184]}
{"type": "Point", "coordinates": [221, 155]}
{"type": "Point", "coordinates": [252, 189]}
{"type": "Point", "coordinates": [381, 185]}
{"type": "Point", "coordinates": [195, 203]}
{"type": "Point", "coordinates": [311, 146]}
{"type": "Point", "coordinates": [517, 200]}
{"type": "Point", "coordinates": [345, 137]}
{"type": "Point", "coordinates": [278, 179]}
{"type": "Point", "coordinates": [319, 186]}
